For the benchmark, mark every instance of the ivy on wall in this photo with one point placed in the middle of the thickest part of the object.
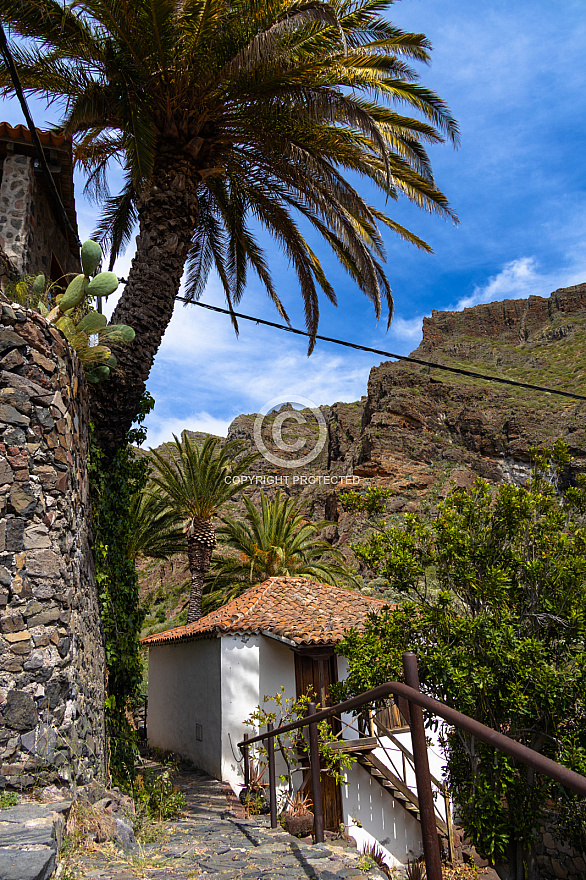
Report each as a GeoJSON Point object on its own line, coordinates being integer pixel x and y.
{"type": "Point", "coordinates": [112, 487]}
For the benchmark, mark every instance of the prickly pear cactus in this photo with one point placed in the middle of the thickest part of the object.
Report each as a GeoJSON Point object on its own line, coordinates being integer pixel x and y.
{"type": "Point", "coordinates": [78, 322]}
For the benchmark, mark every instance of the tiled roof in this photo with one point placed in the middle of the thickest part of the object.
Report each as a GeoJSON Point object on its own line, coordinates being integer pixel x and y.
{"type": "Point", "coordinates": [22, 133]}
{"type": "Point", "coordinates": [62, 144]}
{"type": "Point", "coordinates": [295, 609]}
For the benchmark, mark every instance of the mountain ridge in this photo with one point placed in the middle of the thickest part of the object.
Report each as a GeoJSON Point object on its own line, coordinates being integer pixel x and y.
{"type": "Point", "coordinates": [418, 431]}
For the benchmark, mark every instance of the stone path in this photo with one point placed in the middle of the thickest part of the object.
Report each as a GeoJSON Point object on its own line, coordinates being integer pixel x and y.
{"type": "Point", "coordinates": [30, 835]}
{"type": "Point", "coordinates": [213, 840]}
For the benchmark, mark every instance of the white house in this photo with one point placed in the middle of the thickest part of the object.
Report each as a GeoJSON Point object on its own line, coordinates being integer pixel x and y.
{"type": "Point", "coordinates": [206, 678]}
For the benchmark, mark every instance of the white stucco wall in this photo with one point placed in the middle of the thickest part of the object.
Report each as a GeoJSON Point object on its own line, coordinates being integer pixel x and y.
{"type": "Point", "coordinates": [277, 669]}
{"type": "Point", "coordinates": [371, 813]}
{"type": "Point", "coordinates": [252, 667]}
{"type": "Point", "coordinates": [184, 689]}
{"type": "Point", "coordinates": [238, 696]}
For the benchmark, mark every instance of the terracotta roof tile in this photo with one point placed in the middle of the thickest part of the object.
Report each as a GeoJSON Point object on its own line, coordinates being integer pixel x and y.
{"type": "Point", "coordinates": [304, 612]}
{"type": "Point", "coordinates": [22, 133]}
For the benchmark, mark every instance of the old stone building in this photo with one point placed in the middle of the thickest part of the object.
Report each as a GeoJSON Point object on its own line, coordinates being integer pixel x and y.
{"type": "Point", "coordinates": [33, 235]}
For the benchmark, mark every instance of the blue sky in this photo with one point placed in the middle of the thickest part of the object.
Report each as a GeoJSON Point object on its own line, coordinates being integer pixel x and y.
{"type": "Point", "coordinates": [514, 77]}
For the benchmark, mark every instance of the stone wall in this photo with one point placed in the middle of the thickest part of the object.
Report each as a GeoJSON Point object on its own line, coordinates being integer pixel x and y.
{"type": "Point", "coordinates": [556, 858]}
{"type": "Point", "coordinates": [48, 236]}
{"type": "Point", "coordinates": [16, 202]}
{"type": "Point", "coordinates": [52, 663]}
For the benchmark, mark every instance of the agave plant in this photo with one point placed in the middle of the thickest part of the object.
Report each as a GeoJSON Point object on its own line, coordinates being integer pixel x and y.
{"type": "Point", "coordinates": [298, 804]}
{"type": "Point", "coordinates": [72, 315]}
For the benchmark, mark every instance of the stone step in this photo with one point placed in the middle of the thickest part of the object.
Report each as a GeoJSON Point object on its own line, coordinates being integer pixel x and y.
{"type": "Point", "coordinates": [30, 837]}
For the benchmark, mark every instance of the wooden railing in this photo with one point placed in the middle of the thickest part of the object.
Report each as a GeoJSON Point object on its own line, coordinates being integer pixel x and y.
{"type": "Point", "coordinates": [417, 702]}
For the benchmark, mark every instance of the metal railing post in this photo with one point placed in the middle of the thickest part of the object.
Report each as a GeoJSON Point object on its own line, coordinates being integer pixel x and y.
{"type": "Point", "coordinates": [272, 777]}
{"type": "Point", "coordinates": [318, 812]}
{"type": "Point", "coordinates": [431, 850]}
{"type": "Point", "coordinates": [244, 749]}
{"type": "Point", "coordinates": [450, 824]}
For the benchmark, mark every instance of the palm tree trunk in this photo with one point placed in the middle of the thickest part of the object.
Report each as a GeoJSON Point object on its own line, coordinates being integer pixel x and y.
{"type": "Point", "coordinates": [199, 555]}
{"type": "Point", "coordinates": [167, 217]}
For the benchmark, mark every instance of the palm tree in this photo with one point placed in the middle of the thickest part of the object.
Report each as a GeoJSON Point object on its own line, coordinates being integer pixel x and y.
{"type": "Point", "coordinates": [276, 540]}
{"type": "Point", "coordinates": [227, 116]}
{"type": "Point", "coordinates": [195, 482]}
{"type": "Point", "coordinates": [156, 529]}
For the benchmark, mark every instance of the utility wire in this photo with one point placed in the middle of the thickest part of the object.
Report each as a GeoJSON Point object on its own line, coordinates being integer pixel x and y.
{"type": "Point", "coordinates": [9, 61]}
{"type": "Point", "coordinates": [58, 204]}
{"type": "Point", "coordinates": [400, 357]}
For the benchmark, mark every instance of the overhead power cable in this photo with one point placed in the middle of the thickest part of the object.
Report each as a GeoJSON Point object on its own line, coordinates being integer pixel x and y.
{"type": "Point", "coordinates": [390, 354]}
{"type": "Point", "coordinates": [56, 198]}
{"type": "Point", "coordinates": [9, 61]}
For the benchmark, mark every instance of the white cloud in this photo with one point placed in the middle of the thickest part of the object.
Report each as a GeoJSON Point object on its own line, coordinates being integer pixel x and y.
{"type": "Point", "coordinates": [517, 279]}
{"type": "Point", "coordinates": [162, 430]}
{"type": "Point", "coordinates": [201, 364]}
{"type": "Point", "coordinates": [522, 278]}
{"type": "Point", "coordinates": [407, 329]}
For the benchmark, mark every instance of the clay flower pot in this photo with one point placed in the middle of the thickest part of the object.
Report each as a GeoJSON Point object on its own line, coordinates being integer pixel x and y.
{"type": "Point", "coordinates": [299, 826]}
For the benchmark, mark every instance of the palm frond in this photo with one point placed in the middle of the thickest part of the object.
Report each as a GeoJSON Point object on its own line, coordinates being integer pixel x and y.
{"type": "Point", "coordinates": [275, 539]}
{"type": "Point", "coordinates": [197, 480]}
{"type": "Point", "coordinates": [264, 107]}
{"type": "Point", "coordinates": [117, 222]}
{"type": "Point", "coordinates": [155, 529]}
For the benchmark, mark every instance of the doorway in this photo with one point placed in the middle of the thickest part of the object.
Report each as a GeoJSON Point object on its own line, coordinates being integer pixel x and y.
{"type": "Point", "coordinates": [315, 670]}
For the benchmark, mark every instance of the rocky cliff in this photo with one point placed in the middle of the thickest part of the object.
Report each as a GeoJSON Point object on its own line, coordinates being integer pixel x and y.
{"type": "Point", "coordinates": [420, 430]}
{"type": "Point", "coordinates": [417, 416]}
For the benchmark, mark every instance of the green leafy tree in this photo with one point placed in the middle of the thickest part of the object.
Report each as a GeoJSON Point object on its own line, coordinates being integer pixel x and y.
{"type": "Point", "coordinates": [276, 540]}
{"type": "Point", "coordinates": [226, 117]}
{"type": "Point", "coordinates": [495, 608]}
{"type": "Point", "coordinates": [195, 482]}
{"type": "Point", "coordinates": [371, 503]}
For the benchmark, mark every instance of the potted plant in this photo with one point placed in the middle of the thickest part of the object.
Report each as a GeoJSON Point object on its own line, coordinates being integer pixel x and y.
{"type": "Point", "coordinates": [253, 796]}
{"type": "Point", "coordinates": [298, 818]}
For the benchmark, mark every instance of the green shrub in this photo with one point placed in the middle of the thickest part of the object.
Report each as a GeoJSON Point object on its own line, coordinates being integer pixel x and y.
{"type": "Point", "coordinates": [8, 799]}
{"type": "Point", "coordinates": [156, 796]}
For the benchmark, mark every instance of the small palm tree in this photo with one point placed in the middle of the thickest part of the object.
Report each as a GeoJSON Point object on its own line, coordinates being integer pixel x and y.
{"type": "Point", "coordinates": [195, 482]}
{"type": "Point", "coordinates": [156, 531]}
{"type": "Point", "coordinates": [276, 540]}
